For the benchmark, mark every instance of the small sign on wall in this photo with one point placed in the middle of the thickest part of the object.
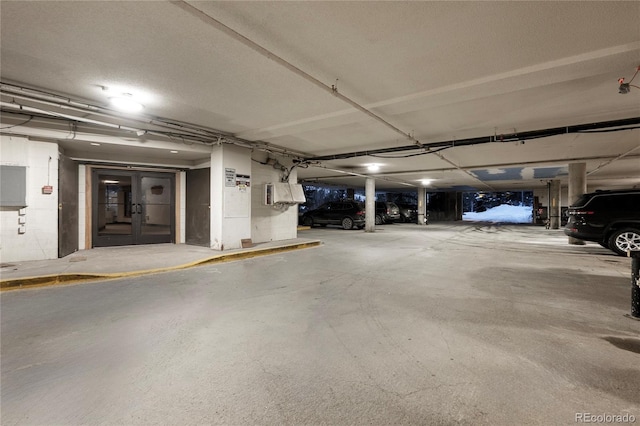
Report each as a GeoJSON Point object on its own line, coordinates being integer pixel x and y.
{"type": "Point", "coordinates": [230, 177]}
{"type": "Point", "coordinates": [47, 189]}
{"type": "Point", "coordinates": [243, 182]}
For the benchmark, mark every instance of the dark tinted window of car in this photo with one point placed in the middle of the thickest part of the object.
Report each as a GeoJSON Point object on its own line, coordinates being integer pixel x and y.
{"type": "Point", "coordinates": [598, 202]}
{"type": "Point", "coordinates": [630, 202]}
{"type": "Point", "coordinates": [616, 201]}
{"type": "Point", "coordinates": [584, 199]}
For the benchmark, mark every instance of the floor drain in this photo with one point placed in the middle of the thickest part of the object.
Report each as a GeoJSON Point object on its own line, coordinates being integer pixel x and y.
{"type": "Point", "coordinates": [627, 343]}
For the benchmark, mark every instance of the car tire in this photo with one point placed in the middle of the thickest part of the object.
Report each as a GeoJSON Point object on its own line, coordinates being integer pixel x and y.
{"type": "Point", "coordinates": [347, 223]}
{"type": "Point", "coordinates": [379, 220]}
{"type": "Point", "coordinates": [624, 239]}
{"type": "Point", "coordinates": [307, 221]}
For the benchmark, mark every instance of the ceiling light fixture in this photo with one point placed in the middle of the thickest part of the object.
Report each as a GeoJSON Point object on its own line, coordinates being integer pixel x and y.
{"type": "Point", "coordinates": [95, 144]}
{"type": "Point", "coordinates": [373, 167]}
{"type": "Point", "coordinates": [126, 104]}
{"type": "Point", "coordinates": [173, 152]}
{"type": "Point", "coordinates": [426, 182]}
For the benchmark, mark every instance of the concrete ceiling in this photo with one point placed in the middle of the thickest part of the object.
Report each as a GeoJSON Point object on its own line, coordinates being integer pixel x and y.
{"type": "Point", "coordinates": [259, 71]}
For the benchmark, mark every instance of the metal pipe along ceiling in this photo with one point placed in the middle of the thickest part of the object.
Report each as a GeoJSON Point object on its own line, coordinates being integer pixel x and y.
{"type": "Point", "coordinates": [616, 125]}
{"type": "Point", "coordinates": [175, 130]}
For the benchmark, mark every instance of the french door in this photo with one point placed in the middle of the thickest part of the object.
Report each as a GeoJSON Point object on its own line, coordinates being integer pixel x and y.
{"type": "Point", "coordinates": [132, 207]}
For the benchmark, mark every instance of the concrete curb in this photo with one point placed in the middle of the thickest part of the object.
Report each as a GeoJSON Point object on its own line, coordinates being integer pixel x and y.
{"type": "Point", "coordinates": [70, 278]}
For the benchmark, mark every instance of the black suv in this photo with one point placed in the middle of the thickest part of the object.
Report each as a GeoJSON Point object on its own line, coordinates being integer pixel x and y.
{"type": "Point", "coordinates": [386, 212]}
{"type": "Point", "coordinates": [610, 218]}
{"type": "Point", "coordinates": [347, 214]}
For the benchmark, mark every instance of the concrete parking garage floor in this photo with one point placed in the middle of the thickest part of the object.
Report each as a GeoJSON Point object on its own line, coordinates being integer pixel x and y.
{"type": "Point", "coordinates": [443, 324]}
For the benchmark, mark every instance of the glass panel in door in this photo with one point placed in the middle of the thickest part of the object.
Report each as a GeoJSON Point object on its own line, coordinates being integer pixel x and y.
{"type": "Point", "coordinates": [156, 199]}
{"type": "Point", "coordinates": [114, 205]}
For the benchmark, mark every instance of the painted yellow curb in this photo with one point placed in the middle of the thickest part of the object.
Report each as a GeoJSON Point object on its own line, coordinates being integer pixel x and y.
{"type": "Point", "coordinates": [49, 280]}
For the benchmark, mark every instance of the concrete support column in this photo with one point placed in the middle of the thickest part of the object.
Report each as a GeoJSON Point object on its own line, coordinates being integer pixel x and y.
{"type": "Point", "coordinates": [422, 205]}
{"type": "Point", "coordinates": [230, 204]}
{"type": "Point", "coordinates": [577, 187]}
{"type": "Point", "coordinates": [370, 205]}
{"type": "Point", "coordinates": [554, 204]}
{"type": "Point", "coordinates": [459, 207]}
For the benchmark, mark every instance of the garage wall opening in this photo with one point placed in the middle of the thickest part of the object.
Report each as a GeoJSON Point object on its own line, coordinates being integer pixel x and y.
{"type": "Point", "coordinates": [498, 207]}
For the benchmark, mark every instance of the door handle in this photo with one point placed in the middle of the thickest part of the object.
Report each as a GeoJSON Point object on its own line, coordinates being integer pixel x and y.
{"type": "Point", "coordinates": [139, 209]}
{"type": "Point", "coordinates": [133, 208]}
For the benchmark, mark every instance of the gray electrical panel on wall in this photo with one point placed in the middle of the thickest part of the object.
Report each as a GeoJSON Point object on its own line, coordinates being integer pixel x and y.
{"type": "Point", "coordinates": [13, 186]}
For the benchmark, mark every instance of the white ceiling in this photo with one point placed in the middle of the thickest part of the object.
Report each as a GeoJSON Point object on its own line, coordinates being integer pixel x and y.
{"type": "Point", "coordinates": [437, 71]}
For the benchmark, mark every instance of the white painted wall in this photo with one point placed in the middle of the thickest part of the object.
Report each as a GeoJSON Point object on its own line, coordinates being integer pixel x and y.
{"type": "Point", "coordinates": [230, 206]}
{"type": "Point", "coordinates": [268, 223]}
{"type": "Point", "coordinates": [40, 241]}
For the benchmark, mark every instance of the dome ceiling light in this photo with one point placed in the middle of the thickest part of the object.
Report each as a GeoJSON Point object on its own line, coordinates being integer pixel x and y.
{"type": "Point", "coordinates": [123, 99]}
{"type": "Point", "coordinates": [125, 103]}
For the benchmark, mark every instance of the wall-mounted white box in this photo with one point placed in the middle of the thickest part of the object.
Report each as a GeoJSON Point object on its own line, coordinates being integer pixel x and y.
{"type": "Point", "coordinates": [283, 193]}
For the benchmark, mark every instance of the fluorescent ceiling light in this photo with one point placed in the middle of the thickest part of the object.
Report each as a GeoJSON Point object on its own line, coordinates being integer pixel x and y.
{"type": "Point", "coordinates": [95, 144]}
{"type": "Point", "coordinates": [111, 181]}
{"type": "Point", "coordinates": [173, 152]}
{"type": "Point", "coordinates": [373, 167]}
{"type": "Point", "coordinates": [426, 182]}
{"type": "Point", "coordinates": [125, 104]}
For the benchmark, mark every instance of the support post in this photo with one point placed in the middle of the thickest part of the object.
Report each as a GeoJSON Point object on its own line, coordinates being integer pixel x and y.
{"type": "Point", "coordinates": [554, 204]}
{"type": "Point", "coordinates": [577, 187]}
{"type": "Point", "coordinates": [370, 205]}
{"type": "Point", "coordinates": [422, 192]}
{"type": "Point", "coordinates": [635, 284]}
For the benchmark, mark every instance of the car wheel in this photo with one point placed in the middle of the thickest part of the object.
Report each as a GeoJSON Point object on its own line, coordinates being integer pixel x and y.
{"type": "Point", "coordinates": [307, 221]}
{"type": "Point", "coordinates": [625, 239]}
{"type": "Point", "coordinates": [347, 223]}
{"type": "Point", "coordinates": [379, 220]}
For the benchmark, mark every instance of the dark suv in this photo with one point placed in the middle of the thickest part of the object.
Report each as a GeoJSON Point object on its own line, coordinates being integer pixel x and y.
{"type": "Point", "coordinates": [610, 218]}
{"type": "Point", "coordinates": [386, 212]}
{"type": "Point", "coordinates": [408, 212]}
{"type": "Point", "coordinates": [347, 214]}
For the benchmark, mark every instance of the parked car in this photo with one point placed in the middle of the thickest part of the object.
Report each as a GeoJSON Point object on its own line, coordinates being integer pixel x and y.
{"type": "Point", "coordinates": [386, 212]}
{"type": "Point", "coordinates": [610, 218]}
{"type": "Point", "coordinates": [348, 214]}
{"type": "Point", "coordinates": [408, 213]}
